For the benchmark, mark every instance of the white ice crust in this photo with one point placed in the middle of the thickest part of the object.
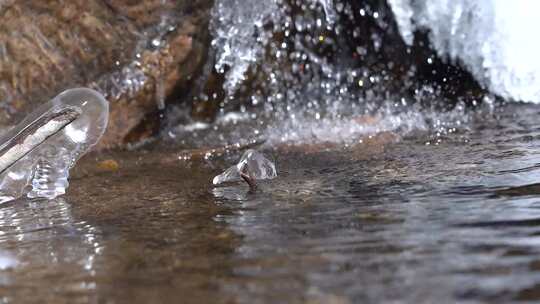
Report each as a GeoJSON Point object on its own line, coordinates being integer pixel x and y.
{"type": "Point", "coordinates": [493, 39]}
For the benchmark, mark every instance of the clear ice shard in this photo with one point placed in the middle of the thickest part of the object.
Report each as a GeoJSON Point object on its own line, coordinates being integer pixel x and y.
{"type": "Point", "coordinates": [36, 154]}
{"type": "Point", "coordinates": [254, 163]}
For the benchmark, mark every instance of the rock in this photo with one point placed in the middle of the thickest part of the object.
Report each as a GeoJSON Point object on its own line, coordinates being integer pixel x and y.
{"type": "Point", "coordinates": [135, 53]}
{"type": "Point", "coordinates": [406, 70]}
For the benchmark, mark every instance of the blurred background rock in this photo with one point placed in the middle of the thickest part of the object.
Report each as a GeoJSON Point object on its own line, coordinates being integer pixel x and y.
{"type": "Point", "coordinates": [135, 52]}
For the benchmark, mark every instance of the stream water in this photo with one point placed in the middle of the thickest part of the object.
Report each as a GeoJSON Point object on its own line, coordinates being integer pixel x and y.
{"type": "Point", "coordinates": [378, 198]}
{"type": "Point", "coordinates": [396, 218]}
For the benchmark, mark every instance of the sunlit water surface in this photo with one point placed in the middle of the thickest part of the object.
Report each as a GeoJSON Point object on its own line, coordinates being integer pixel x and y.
{"type": "Point", "coordinates": [416, 218]}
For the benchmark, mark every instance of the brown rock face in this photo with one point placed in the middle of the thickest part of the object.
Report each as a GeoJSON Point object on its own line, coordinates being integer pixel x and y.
{"type": "Point", "coordinates": [135, 52]}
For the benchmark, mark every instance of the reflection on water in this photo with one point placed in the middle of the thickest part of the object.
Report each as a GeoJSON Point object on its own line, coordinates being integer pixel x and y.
{"type": "Point", "coordinates": [7, 260]}
{"type": "Point", "coordinates": [41, 245]}
{"type": "Point", "coordinates": [407, 221]}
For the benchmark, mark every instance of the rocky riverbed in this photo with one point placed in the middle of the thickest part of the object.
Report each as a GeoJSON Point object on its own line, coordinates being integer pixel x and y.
{"type": "Point", "coordinates": [400, 178]}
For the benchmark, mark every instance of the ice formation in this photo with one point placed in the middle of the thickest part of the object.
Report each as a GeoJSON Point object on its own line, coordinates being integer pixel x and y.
{"type": "Point", "coordinates": [254, 163]}
{"type": "Point", "coordinates": [242, 30]}
{"type": "Point", "coordinates": [36, 154]}
{"type": "Point", "coordinates": [493, 39]}
{"type": "Point", "coordinates": [239, 36]}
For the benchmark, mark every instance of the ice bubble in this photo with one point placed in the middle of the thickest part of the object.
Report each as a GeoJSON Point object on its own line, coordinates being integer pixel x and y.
{"type": "Point", "coordinates": [36, 154]}
{"type": "Point", "coordinates": [252, 163]}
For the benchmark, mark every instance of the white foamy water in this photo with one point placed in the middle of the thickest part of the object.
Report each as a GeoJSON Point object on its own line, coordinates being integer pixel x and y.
{"type": "Point", "coordinates": [302, 128]}
{"type": "Point", "coordinates": [493, 39]}
{"type": "Point", "coordinates": [351, 129]}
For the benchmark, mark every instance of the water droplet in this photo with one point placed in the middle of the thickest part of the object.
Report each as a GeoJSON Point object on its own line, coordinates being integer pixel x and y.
{"type": "Point", "coordinates": [156, 42]}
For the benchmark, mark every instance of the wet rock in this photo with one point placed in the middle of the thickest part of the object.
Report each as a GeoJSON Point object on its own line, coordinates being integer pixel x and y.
{"type": "Point", "coordinates": [136, 53]}
{"type": "Point", "coordinates": [415, 71]}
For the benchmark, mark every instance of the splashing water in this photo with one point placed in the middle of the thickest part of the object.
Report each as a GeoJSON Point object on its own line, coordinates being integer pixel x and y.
{"type": "Point", "coordinates": [328, 6]}
{"type": "Point", "coordinates": [254, 163]}
{"type": "Point", "coordinates": [267, 43]}
{"type": "Point", "coordinates": [290, 77]}
{"type": "Point", "coordinates": [240, 37]}
{"type": "Point", "coordinates": [36, 155]}
{"type": "Point", "coordinates": [304, 82]}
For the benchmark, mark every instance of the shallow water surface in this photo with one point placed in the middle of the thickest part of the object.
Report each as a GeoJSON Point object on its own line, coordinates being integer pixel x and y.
{"type": "Point", "coordinates": [424, 219]}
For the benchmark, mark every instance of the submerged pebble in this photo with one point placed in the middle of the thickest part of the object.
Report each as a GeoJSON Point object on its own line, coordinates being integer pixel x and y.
{"type": "Point", "coordinates": [36, 154]}
{"type": "Point", "coordinates": [252, 163]}
{"type": "Point", "coordinates": [108, 165]}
